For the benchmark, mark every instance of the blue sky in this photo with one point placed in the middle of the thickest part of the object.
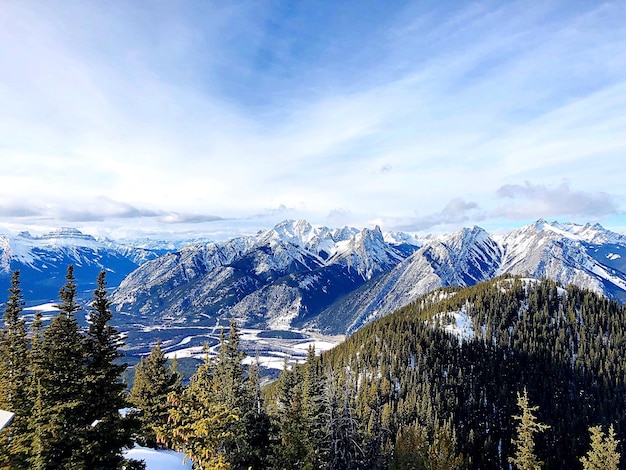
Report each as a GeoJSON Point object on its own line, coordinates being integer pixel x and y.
{"type": "Point", "coordinates": [214, 118]}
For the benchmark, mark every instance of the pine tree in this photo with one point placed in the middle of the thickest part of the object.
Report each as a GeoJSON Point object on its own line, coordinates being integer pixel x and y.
{"type": "Point", "coordinates": [36, 424]}
{"type": "Point", "coordinates": [229, 372]}
{"type": "Point", "coordinates": [603, 454]}
{"type": "Point", "coordinates": [313, 408]}
{"type": "Point", "coordinates": [198, 424]}
{"type": "Point", "coordinates": [154, 381]}
{"type": "Point", "coordinates": [104, 390]}
{"type": "Point", "coordinates": [442, 454]}
{"type": "Point", "coordinates": [343, 440]}
{"type": "Point", "coordinates": [528, 426]}
{"type": "Point", "coordinates": [410, 449]}
{"type": "Point", "coordinates": [240, 393]}
{"type": "Point", "coordinates": [292, 449]}
{"type": "Point", "coordinates": [14, 441]}
{"type": "Point", "coordinates": [62, 385]}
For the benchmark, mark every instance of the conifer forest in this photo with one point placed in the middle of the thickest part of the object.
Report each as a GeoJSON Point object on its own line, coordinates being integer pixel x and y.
{"type": "Point", "coordinates": [538, 380]}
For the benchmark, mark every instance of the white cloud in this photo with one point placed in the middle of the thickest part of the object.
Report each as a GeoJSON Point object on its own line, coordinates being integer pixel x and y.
{"type": "Point", "coordinates": [545, 201]}
{"type": "Point", "coordinates": [213, 112]}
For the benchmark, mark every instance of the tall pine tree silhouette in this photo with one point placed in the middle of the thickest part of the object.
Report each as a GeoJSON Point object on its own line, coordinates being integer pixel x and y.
{"type": "Point", "coordinates": [14, 442]}
{"type": "Point", "coordinates": [107, 433]}
{"type": "Point", "coordinates": [62, 385]}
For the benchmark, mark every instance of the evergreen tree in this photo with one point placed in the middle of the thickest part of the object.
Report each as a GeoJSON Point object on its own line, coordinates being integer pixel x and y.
{"type": "Point", "coordinates": [603, 454]}
{"type": "Point", "coordinates": [255, 423]}
{"type": "Point", "coordinates": [198, 424]}
{"type": "Point", "coordinates": [36, 424]}
{"type": "Point", "coordinates": [62, 383]}
{"type": "Point", "coordinates": [528, 426]}
{"type": "Point", "coordinates": [291, 450]}
{"type": "Point", "coordinates": [410, 449]}
{"type": "Point", "coordinates": [154, 381]}
{"type": "Point", "coordinates": [249, 436]}
{"type": "Point", "coordinates": [14, 441]}
{"type": "Point", "coordinates": [442, 454]}
{"type": "Point", "coordinates": [109, 433]}
{"type": "Point", "coordinates": [229, 379]}
{"type": "Point", "coordinates": [344, 443]}
{"type": "Point", "coordinates": [313, 409]}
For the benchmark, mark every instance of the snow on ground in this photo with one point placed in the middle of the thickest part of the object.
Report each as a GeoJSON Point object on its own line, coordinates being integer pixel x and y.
{"type": "Point", "coordinates": [271, 351]}
{"type": "Point", "coordinates": [193, 351]}
{"type": "Point", "coordinates": [457, 323]}
{"type": "Point", "coordinates": [49, 307]}
{"type": "Point", "coordinates": [159, 459]}
{"type": "Point", "coordinates": [613, 256]}
{"type": "Point", "coordinates": [600, 271]}
{"type": "Point", "coordinates": [320, 346]}
{"type": "Point", "coordinates": [268, 362]}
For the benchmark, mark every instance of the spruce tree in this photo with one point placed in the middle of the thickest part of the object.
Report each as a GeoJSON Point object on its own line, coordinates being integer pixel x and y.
{"type": "Point", "coordinates": [292, 448]}
{"type": "Point", "coordinates": [62, 385]}
{"type": "Point", "coordinates": [198, 424]}
{"type": "Point", "coordinates": [313, 408]}
{"type": "Point", "coordinates": [524, 442]}
{"type": "Point", "coordinates": [108, 433]}
{"type": "Point", "coordinates": [154, 381]}
{"type": "Point", "coordinates": [36, 424]}
{"type": "Point", "coordinates": [14, 441]}
{"type": "Point", "coordinates": [603, 454]}
{"type": "Point", "coordinates": [249, 435]}
{"type": "Point", "coordinates": [229, 371]}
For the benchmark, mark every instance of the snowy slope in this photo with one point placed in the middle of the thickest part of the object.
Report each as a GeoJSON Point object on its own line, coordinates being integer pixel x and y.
{"type": "Point", "coordinates": [278, 278]}
{"type": "Point", "coordinates": [336, 280]}
{"type": "Point", "coordinates": [159, 459]}
{"type": "Point", "coordinates": [43, 260]}
{"type": "Point", "coordinates": [586, 255]}
{"type": "Point", "coordinates": [463, 258]}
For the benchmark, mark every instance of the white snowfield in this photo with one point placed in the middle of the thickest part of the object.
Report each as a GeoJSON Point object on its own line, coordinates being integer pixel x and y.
{"type": "Point", "coordinates": [159, 459]}
{"type": "Point", "coordinates": [268, 352]}
{"type": "Point", "coordinates": [5, 418]}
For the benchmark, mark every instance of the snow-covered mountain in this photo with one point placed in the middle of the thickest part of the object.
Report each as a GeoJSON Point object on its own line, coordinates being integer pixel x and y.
{"type": "Point", "coordinates": [43, 260]}
{"type": "Point", "coordinates": [335, 281]}
{"type": "Point", "coordinates": [278, 278]}
{"type": "Point", "coordinates": [586, 255]}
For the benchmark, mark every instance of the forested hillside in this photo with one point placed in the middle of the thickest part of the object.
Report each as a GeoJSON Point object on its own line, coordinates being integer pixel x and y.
{"type": "Point", "coordinates": [406, 375]}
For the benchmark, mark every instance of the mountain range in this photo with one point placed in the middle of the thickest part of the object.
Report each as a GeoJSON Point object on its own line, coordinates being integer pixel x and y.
{"type": "Point", "coordinates": [43, 260]}
{"type": "Point", "coordinates": [336, 280]}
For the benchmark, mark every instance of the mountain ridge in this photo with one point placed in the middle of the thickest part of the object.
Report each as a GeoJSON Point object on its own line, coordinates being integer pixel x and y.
{"type": "Point", "coordinates": [42, 261]}
{"type": "Point", "coordinates": [336, 280]}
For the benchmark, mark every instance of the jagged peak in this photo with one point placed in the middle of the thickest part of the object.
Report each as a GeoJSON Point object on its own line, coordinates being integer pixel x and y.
{"type": "Point", "coordinates": [466, 236]}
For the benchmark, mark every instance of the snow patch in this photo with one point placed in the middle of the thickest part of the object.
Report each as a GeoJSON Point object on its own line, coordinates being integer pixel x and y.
{"type": "Point", "coordinates": [159, 459]}
{"type": "Point", "coordinates": [49, 307]}
{"type": "Point", "coordinates": [320, 346]}
{"type": "Point", "coordinates": [458, 324]}
{"type": "Point", "coordinates": [600, 271]}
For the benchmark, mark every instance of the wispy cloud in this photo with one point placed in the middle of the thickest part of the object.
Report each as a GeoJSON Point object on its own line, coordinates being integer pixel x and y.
{"type": "Point", "coordinates": [456, 212]}
{"type": "Point", "coordinates": [221, 110]}
{"type": "Point", "coordinates": [544, 201]}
